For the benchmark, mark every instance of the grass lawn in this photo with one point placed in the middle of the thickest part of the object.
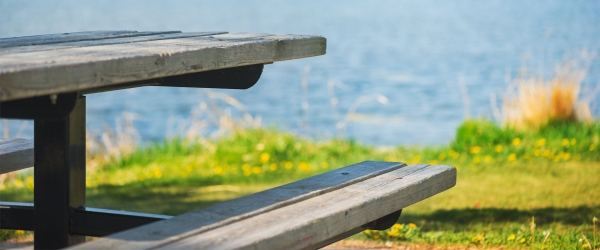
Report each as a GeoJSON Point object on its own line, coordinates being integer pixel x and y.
{"type": "Point", "coordinates": [505, 180]}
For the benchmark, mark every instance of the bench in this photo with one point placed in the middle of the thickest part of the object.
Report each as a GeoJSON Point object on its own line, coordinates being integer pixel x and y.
{"type": "Point", "coordinates": [15, 154]}
{"type": "Point", "coordinates": [45, 78]}
{"type": "Point", "coordinates": [306, 214]}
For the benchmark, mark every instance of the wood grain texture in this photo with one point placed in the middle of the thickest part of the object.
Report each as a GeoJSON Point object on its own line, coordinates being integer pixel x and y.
{"type": "Point", "coordinates": [72, 37]}
{"type": "Point", "coordinates": [233, 211]}
{"type": "Point", "coordinates": [144, 36]}
{"type": "Point", "coordinates": [305, 224]}
{"type": "Point", "coordinates": [15, 154]}
{"type": "Point", "coordinates": [39, 73]}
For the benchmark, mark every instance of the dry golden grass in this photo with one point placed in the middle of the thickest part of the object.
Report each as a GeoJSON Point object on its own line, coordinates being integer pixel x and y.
{"type": "Point", "coordinates": [209, 119]}
{"type": "Point", "coordinates": [532, 102]}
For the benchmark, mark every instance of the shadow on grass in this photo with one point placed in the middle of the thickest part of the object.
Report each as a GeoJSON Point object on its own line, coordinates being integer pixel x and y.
{"type": "Point", "coordinates": [575, 216]}
{"type": "Point", "coordinates": [162, 199]}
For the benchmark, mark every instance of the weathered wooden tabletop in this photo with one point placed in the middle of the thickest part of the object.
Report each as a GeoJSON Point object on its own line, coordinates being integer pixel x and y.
{"type": "Point", "coordinates": [52, 64]}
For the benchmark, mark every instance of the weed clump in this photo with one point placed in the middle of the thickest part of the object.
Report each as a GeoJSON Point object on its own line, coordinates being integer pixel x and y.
{"type": "Point", "coordinates": [534, 102]}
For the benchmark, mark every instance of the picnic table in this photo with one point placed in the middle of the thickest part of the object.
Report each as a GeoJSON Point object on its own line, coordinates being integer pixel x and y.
{"type": "Point", "coordinates": [46, 78]}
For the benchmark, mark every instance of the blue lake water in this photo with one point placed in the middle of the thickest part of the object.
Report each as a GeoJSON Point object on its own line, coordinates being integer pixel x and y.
{"type": "Point", "coordinates": [415, 53]}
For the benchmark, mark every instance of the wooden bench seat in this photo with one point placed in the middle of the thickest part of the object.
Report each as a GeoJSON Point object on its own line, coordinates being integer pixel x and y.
{"type": "Point", "coordinates": [15, 154]}
{"type": "Point", "coordinates": [306, 214]}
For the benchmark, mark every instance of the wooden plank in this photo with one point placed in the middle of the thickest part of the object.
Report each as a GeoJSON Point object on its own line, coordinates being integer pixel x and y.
{"type": "Point", "coordinates": [226, 213]}
{"type": "Point", "coordinates": [73, 37]}
{"type": "Point", "coordinates": [15, 154]}
{"type": "Point", "coordinates": [119, 40]}
{"type": "Point", "coordinates": [305, 224]}
{"type": "Point", "coordinates": [32, 74]}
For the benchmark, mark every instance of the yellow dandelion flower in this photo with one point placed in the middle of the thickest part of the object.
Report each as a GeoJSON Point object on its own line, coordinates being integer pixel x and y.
{"type": "Point", "coordinates": [303, 166]}
{"type": "Point", "coordinates": [453, 154]}
{"type": "Point", "coordinates": [376, 236]}
{"type": "Point", "coordinates": [512, 237]}
{"type": "Point", "coordinates": [256, 170]}
{"type": "Point", "coordinates": [512, 157]}
{"type": "Point", "coordinates": [488, 159]}
{"type": "Point", "coordinates": [416, 159]}
{"type": "Point", "coordinates": [478, 238]}
{"type": "Point", "coordinates": [557, 158]}
{"type": "Point", "coordinates": [565, 142]}
{"type": "Point", "coordinates": [247, 172]}
{"type": "Point", "coordinates": [29, 183]}
{"type": "Point", "coordinates": [218, 170]}
{"type": "Point", "coordinates": [288, 165]}
{"type": "Point", "coordinates": [273, 167]}
{"type": "Point", "coordinates": [433, 162]}
{"type": "Point", "coordinates": [537, 152]}
{"type": "Point", "coordinates": [399, 226]}
{"type": "Point", "coordinates": [157, 173]}
{"type": "Point", "coordinates": [585, 245]}
{"type": "Point", "coordinates": [18, 183]}
{"type": "Point", "coordinates": [566, 156]}
{"type": "Point", "coordinates": [412, 225]}
{"type": "Point", "coordinates": [540, 142]}
{"type": "Point", "coordinates": [246, 167]}
{"type": "Point", "coordinates": [498, 148]}
{"type": "Point", "coordinates": [393, 233]}
{"type": "Point", "coordinates": [442, 156]}
{"type": "Point", "coordinates": [516, 141]}
{"type": "Point", "coordinates": [547, 153]}
{"type": "Point", "coordinates": [522, 240]}
{"type": "Point", "coordinates": [475, 150]}
{"type": "Point", "coordinates": [264, 158]}
{"type": "Point", "coordinates": [324, 164]}
{"type": "Point", "coordinates": [19, 232]}
{"type": "Point", "coordinates": [477, 159]}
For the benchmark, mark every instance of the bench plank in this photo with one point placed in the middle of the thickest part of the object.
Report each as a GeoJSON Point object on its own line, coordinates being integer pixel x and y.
{"type": "Point", "coordinates": [150, 36]}
{"type": "Point", "coordinates": [309, 223]}
{"type": "Point", "coordinates": [15, 154]}
{"type": "Point", "coordinates": [75, 69]}
{"type": "Point", "coordinates": [73, 37]}
{"type": "Point", "coordinates": [229, 212]}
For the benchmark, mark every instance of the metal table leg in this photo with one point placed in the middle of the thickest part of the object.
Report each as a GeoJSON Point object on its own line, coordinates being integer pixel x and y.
{"type": "Point", "coordinates": [59, 177]}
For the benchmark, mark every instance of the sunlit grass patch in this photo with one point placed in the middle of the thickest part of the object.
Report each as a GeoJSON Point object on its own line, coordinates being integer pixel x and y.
{"type": "Point", "coordinates": [505, 177]}
{"type": "Point", "coordinates": [493, 207]}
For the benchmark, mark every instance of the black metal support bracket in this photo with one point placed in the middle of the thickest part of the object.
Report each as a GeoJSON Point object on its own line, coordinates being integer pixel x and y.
{"type": "Point", "coordinates": [242, 77]}
{"type": "Point", "coordinates": [384, 222]}
{"type": "Point", "coordinates": [42, 107]}
{"type": "Point", "coordinates": [16, 216]}
{"type": "Point", "coordinates": [101, 222]}
{"type": "Point", "coordinates": [82, 220]}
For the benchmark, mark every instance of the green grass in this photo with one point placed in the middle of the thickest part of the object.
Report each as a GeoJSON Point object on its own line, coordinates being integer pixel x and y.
{"type": "Point", "coordinates": [499, 201]}
{"type": "Point", "coordinates": [505, 178]}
